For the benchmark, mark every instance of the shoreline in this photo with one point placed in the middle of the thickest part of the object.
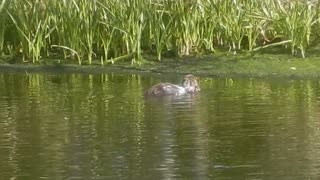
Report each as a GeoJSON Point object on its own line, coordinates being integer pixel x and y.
{"type": "Point", "coordinates": [223, 66]}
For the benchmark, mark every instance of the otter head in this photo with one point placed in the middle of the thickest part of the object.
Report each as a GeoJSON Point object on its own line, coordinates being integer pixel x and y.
{"type": "Point", "coordinates": [190, 83]}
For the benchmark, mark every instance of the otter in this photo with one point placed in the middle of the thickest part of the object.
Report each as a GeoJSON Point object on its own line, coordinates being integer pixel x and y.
{"type": "Point", "coordinates": [189, 85]}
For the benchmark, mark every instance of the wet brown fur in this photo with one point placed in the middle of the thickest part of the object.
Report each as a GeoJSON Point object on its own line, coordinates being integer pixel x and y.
{"type": "Point", "coordinates": [190, 82]}
{"type": "Point", "coordinates": [158, 89]}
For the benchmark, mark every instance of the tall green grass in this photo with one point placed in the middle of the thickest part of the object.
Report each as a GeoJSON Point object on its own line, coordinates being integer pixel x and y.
{"type": "Point", "coordinates": [105, 31]}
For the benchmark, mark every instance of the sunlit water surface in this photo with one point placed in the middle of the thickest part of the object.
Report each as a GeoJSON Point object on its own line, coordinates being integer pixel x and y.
{"type": "Point", "coordinates": [81, 126]}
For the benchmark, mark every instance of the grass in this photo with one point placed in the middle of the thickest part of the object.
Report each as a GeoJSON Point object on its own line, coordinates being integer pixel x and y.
{"type": "Point", "coordinates": [106, 31]}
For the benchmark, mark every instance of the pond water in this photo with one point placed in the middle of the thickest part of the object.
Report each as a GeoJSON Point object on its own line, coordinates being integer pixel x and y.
{"type": "Point", "coordinates": [82, 126]}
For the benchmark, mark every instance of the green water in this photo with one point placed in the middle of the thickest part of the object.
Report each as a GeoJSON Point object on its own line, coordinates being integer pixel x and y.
{"type": "Point", "coordinates": [81, 126]}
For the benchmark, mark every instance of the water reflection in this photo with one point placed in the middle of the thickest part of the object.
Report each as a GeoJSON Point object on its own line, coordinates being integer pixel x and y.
{"type": "Point", "coordinates": [73, 126]}
{"type": "Point", "coordinates": [178, 117]}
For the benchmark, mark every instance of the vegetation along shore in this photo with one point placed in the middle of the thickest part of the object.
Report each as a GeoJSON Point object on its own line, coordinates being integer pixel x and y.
{"type": "Point", "coordinates": [213, 37]}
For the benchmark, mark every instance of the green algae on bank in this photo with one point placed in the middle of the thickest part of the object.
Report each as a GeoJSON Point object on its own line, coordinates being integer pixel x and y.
{"type": "Point", "coordinates": [225, 65]}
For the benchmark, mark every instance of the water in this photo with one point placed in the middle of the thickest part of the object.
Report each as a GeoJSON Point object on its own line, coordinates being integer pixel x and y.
{"type": "Point", "coordinates": [73, 126]}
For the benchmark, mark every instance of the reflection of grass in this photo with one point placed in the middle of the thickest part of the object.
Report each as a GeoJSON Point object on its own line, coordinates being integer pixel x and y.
{"type": "Point", "coordinates": [223, 65]}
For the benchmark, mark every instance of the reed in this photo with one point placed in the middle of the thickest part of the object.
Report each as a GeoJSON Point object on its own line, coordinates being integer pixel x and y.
{"type": "Point", "coordinates": [31, 25]}
{"type": "Point", "coordinates": [295, 21]}
{"type": "Point", "coordinates": [3, 24]}
{"type": "Point", "coordinates": [2, 32]}
{"type": "Point", "coordinates": [107, 30]}
{"type": "Point", "coordinates": [68, 35]}
{"type": "Point", "coordinates": [160, 27]}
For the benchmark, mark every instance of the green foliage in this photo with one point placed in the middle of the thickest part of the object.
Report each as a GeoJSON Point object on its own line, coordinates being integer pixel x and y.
{"type": "Point", "coordinates": [107, 29]}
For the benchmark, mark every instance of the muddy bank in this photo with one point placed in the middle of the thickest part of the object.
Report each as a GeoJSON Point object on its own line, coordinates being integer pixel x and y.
{"type": "Point", "coordinates": [226, 66]}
